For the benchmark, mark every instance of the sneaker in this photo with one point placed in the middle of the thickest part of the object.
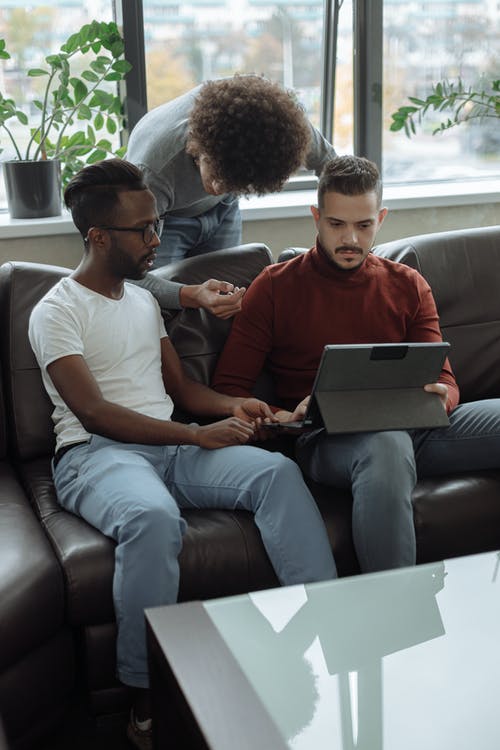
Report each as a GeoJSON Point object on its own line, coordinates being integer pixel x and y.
{"type": "Point", "coordinates": [140, 738]}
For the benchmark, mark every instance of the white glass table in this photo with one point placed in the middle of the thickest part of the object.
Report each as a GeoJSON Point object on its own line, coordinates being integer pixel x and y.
{"type": "Point", "coordinates": [407, 659]}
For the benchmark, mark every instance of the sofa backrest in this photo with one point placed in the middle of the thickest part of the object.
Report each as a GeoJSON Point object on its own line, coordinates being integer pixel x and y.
{"type": "Point", "coordinates": [28, 407]}
{"type": "Point", "coordinates": [197, 335]}
{"type": "Point", "coordinates": [463, 270]}
{"type": "Point", "coordinates": [3, 424]}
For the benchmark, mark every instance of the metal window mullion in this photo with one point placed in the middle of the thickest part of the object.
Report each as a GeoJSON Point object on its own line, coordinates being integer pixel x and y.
{"type": "Point", "coordinates": [330, 32]}
{"type": "Point", "coordinates": [129, 16]}
{"type": "Point", "coordinates": [368, 38]}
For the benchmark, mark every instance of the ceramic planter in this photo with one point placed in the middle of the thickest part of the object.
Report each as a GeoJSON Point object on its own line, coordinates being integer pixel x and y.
{"type": "Point", "coordinates": [33, 188]}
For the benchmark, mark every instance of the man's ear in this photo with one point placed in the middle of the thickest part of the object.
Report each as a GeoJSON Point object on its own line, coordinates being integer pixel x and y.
{"type": "Point", "coordinates": [315, 213]}
{"type": "Point", "coordinates": [381, 216]}
{"type": "Point", "coordinates": [97, 237]}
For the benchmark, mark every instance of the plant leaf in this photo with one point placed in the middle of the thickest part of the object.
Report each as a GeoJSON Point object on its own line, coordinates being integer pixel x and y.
{"type": "Point", "coordinates": [97, 155]}
{"type": "Point", "coordinates": [84, 112]}
{"type": "Point", "coordinates": [90, 76]}
{"type": "Point", "coordinates": [79, 88]}
{"type": "Point", "coordinates": [37, 72]}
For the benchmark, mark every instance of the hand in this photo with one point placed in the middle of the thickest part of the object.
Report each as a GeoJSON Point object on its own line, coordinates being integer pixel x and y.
{"type": "Point", "coordinates": [220, 298]}
{"type": "Point", "coordinates": [442, 391]}
{"type": "Point", "coordinates": [253, 410]}
{"type": "Point", "coordinates": [297, 415]}
{"type": "Point", "coordinates": [300, 410]}
{"type": "Point", "coordinates": [282, 417]}
{"type": "Point", "coordinates": [231, 431]}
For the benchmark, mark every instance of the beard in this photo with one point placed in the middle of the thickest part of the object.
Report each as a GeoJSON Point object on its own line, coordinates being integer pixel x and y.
{"type": "Point", "coordinates": [125, 266]}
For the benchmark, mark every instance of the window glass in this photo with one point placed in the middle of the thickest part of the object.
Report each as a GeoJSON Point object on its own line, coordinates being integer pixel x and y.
{"type": "Point", "coordinates": [426, 42]}
{"type": "Point", "coordinates": [31, 33]}
{"type": "Point", "coordinates": [190, 42]}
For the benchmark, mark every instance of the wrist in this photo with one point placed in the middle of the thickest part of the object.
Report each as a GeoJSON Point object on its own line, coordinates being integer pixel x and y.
{"type": "Point", "coordinates": [236, 402]}
{"type": "Point", "coordinates": [190, 434]}
{"type": "Point", "coordinates": [188, 295]}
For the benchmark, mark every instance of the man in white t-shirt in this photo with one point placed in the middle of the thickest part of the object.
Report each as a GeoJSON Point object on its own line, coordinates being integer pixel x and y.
{"type": "Point", "coordinates": [121, 463]}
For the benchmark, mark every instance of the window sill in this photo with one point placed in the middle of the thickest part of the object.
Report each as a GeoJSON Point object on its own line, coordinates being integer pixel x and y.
{"type": "Point", "coordinates": [295, 204]}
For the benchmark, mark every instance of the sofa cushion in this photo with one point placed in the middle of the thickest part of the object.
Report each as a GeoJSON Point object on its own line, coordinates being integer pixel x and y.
{"type": "Point", "coordinates": [31, 583]}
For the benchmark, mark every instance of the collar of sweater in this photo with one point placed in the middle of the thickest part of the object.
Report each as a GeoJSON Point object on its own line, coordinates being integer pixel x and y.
{"type": "Point", "coordinates": [324, 266]}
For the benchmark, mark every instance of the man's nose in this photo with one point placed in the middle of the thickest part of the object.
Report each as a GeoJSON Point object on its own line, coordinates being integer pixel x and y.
{"type": "Point", "coordinates": [350, 235]}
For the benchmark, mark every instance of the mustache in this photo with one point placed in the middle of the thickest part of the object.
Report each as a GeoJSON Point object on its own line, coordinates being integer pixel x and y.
{"type": "Point", "coordinates": [349, 248]}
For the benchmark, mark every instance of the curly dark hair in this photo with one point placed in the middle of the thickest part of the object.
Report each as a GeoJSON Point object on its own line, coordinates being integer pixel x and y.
{"type": "Point", "coordinates": [253, 132]}
{"type": "Point", "coordinates": [349, 175]}
{"type": "Point", "coordinates": [92, 195]}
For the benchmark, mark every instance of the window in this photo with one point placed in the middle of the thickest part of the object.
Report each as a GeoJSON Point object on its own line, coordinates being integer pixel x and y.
{"type": "Point", "coordinates": [194, 40]}
{"type": "Point", "coordinates": [399, 48]}
{"type": "Point", "coordinates": [425, 42]}
{"type": "Point", "coordinates": [380, 59]}
{"type": "Point", "coordinates": [31, 33]}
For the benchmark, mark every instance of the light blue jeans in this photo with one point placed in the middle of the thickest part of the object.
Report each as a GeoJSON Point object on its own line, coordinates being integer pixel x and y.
{"type": "Point", "coordinates": [133, 493]}
{"type": "Point", "coordinates": [184, 237]}
{"type": "Point", "coordinates": [381, 469]}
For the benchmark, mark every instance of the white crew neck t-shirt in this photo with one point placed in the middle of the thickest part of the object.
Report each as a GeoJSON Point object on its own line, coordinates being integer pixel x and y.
{"type": "Point", "coordinates": [119, 341]}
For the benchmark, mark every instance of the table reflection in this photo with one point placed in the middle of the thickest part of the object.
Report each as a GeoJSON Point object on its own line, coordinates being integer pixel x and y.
{"type": "Point", "coordinates": [350, 626]}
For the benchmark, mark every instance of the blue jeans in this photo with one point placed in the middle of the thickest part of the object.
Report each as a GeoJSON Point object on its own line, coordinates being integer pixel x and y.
{"type": "Point", "coordinates": [381, 469]}
{"type": "Point", "coordinates": [133, 493]}
{"type": "Point", "coordinates": [184, 237]}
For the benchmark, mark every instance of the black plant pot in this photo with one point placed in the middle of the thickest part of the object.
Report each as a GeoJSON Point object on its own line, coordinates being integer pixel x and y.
{"type": "Point", "coordinates": [33, 188]}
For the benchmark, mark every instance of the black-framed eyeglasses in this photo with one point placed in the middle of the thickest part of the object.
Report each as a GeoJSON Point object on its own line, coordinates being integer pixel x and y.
{"type": "Point", "coordinates": [148, 232]}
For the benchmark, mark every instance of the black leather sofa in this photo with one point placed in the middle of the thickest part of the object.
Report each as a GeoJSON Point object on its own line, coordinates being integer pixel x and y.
{"type": "Point", "coordinates": [57, 626]}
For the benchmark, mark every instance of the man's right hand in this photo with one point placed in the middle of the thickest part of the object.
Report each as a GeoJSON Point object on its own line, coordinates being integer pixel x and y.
{"type": "Point", "coordinates": [230, 431]}
{"type": "Point", "coordinates": [220, 298]}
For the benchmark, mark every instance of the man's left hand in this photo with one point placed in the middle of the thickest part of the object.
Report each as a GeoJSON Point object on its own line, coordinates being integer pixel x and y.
{"type": "Point", "coordinates": [442, 391]}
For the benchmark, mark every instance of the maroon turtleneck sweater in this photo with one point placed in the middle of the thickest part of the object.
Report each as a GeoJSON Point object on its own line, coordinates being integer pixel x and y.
{"type": "Point", "coordinates": [293, 309]}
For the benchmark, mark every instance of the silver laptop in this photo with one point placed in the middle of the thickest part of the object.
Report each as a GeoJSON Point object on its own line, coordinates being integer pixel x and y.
{"type": "Point", "coordinates": [372, 387]}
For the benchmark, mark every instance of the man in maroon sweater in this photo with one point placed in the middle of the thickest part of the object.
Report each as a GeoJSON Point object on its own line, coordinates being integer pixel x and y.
{"type": "Point", "coordinates": [340, 293]}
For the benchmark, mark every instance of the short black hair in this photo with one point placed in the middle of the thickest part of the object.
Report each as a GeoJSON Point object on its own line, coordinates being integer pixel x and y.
{"type": "Point", "coordinates": [349, 175]}
{"type": "Point", "coordinates": [254, 133]}
{"type": "Point", "coordinates": [92, 195]}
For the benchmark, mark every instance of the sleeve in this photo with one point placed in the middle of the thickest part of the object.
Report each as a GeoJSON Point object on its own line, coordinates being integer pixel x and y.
{"type": "Point", "coordinates": [425, 327]}
{"type": "Point", "coordinates": [249, 341]}
{"type": "Point", "coordinates": [320, 151]}
{"type": "Point", "coordinates": [161, 323]}
{"type": "Point", "coordinates": [54, 332]}
{"type": "Point", "coordinates": [166, 292]}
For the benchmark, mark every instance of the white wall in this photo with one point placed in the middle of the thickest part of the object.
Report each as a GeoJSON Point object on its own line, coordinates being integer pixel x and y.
{"type": "Point", "coordinates": [66, 249]}
{"type": "Point", "coordinates": [281, 233]}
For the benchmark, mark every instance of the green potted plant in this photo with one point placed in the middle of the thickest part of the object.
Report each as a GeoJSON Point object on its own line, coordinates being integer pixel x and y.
{"type": "Point", "coordinates": [465, 103]}
{"type": "Point", "coordinates": [73, 110]}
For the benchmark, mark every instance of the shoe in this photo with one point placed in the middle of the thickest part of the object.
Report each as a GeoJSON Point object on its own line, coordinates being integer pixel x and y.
{"type": "Point", "coordinates": [140, 738]}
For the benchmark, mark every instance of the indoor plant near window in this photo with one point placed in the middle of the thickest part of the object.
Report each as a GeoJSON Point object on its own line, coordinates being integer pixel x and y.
{"type": "Point", "coordinates": [464, 103]}
{"type": "Point", "coordinates": [74, 107]}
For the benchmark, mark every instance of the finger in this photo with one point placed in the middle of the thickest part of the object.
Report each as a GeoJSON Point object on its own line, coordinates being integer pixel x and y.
{"type": "Point", "coordinates": [228, 300]}
{"type": "Point", "coordinates": [436, 388]}
{"type": "Point", "coordinates": [268, 414]}
{"type": "Point", "coordinates": [225, 310]}
{"type": "Point", "coordinates": [233, 298]}
{"type": "Point", "coordinates": [224, 286]}
{"type": "Point", "coordinates": [220, 286]}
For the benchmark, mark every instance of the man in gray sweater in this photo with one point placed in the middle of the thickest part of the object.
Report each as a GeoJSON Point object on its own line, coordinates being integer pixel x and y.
{"type": "Point", "coordinates": [226, 138]}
